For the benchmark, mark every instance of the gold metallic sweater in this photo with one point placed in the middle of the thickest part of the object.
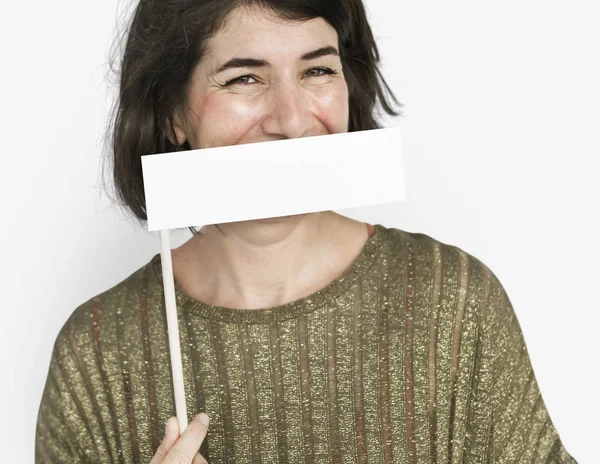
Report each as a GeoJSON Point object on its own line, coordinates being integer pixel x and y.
{"type": "Point", "coordinates": [413, 355]}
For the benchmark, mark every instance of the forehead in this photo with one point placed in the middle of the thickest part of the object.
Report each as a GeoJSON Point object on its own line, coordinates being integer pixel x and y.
{"type": "Point", "coordinates": [257, 31]}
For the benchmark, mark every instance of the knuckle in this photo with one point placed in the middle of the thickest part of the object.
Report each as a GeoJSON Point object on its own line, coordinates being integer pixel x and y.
{"type": "Point", "coordinates": [162, 449]}
{"type": "Point", "coordinates": [197, 432]}
{"type": "Point", "coordinates": [177, 457]}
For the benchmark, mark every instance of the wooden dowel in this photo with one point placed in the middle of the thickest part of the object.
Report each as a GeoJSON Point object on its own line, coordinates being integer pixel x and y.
{"type": "Point", "coordinates": [173, 329]}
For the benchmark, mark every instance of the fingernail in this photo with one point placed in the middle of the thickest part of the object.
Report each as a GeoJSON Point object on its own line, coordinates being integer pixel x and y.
{"type": "Point", "coordinates": [203, 418]}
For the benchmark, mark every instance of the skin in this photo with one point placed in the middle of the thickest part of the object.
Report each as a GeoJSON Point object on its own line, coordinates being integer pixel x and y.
{"type": "Point", "coordinates": [176, 449]}
{"type": "Point", "coordinates": [267, 262]}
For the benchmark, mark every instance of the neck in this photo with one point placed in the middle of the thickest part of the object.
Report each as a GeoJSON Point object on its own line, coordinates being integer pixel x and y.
{"type": "Point", "coordinates": [267, 262]}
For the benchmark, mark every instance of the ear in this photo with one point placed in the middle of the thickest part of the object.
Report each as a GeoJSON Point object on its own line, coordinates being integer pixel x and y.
{"type": "Point", "coordinates": [180, 128]}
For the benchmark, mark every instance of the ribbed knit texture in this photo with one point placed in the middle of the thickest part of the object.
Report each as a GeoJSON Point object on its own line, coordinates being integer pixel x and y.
{"type": "Point", "coordinates": [413, 355]}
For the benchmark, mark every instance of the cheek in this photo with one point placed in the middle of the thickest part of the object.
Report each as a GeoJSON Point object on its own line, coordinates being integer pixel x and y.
{"type": "Point", "coordinates": [225, 118]}
{"type": "Point", "coordinates": [332, 109]}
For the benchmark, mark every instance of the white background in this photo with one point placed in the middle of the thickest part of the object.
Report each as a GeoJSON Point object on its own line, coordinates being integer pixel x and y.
{"type": "Point", "coordinates": [501, 152]}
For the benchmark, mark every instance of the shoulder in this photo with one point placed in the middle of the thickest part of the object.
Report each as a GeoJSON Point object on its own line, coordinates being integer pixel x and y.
{"type": "Point", "coordinates": [427, 252]}
{"type": "Point", "coordinates": [101, 316]}
{"type": "Point", "coordinates": [450, 291]}
{"type": "Point", "coordinates": [443, 273]}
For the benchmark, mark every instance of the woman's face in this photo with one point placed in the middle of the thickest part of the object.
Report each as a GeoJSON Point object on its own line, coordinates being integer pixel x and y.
{"type": "Point", "coordinates": [265, 79]}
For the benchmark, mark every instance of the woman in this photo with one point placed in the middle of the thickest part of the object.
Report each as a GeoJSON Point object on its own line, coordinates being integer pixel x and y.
{"type": "Point", "coordinates": [306, 338]}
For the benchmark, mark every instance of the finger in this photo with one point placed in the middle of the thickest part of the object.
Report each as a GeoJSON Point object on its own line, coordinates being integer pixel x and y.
{"type": "Point", "coordinates": [199, 459]}
{"type": "Point", "coordinates": [189, 442]}
{"type": "Point", "coordinates": [171, 434]}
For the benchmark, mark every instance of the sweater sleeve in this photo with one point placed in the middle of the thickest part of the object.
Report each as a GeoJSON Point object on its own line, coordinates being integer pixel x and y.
{"type": "Point", "coordinates": [521, 430]}
{"type": "Point", "coordinates": [62, 434]}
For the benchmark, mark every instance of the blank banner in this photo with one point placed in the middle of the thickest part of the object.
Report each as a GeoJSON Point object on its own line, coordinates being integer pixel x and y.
{"type": "Point", "coordinates": [271, 179]}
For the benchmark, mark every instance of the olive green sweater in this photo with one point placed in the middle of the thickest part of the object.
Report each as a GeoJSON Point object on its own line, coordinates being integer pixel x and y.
{"type": "Point", "coordinates": [413, 355]}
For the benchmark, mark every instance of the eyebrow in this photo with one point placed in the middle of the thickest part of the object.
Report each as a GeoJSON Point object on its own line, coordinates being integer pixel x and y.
{"type": "Point", "coordinates": [256, 63]}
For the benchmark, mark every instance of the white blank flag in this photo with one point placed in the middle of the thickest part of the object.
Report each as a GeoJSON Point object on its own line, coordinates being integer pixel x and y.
{"type": "Point", "coordinates": [271, 179]}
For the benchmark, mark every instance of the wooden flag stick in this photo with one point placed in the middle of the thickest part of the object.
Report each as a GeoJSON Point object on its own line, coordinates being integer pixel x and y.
{"type": "Point", "coordinates": [173, 329]}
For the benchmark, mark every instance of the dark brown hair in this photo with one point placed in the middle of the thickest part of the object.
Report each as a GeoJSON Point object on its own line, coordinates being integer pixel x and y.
{"type": "Point", "coordinates": [166, 39]}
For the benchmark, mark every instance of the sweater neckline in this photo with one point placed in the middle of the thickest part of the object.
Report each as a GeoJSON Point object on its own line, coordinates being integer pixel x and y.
{"type": "Point", "coordinates": [286, 311]}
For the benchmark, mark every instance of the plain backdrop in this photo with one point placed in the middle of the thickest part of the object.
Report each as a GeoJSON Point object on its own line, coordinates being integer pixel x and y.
{"type": "Point", "coordinates": [501, 145]}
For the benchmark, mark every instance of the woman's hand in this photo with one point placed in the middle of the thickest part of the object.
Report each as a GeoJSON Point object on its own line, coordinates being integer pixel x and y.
{"type": "Point", "coordinates": [175, 449]}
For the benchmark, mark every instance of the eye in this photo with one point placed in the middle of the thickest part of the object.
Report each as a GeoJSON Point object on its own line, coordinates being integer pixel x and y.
{"type": "Point", "coordinates": [238, 80]}
{"type": "Point", "coordinates": [312, 72]}
{"type": "Point", "coordinates": [325, 71]}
